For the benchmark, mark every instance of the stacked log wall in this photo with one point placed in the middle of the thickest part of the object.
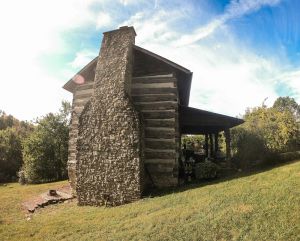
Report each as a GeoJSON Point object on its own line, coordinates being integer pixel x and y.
{"type": "Point", "coordinates": [156, 97]}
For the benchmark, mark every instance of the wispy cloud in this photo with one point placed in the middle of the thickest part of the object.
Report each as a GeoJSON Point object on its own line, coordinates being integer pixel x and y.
{"type": "Point", "coordinates": [103, 20]}
{"type": "Point", "coordinates": [227, 77]}
{"type": "Point", "coordinates": [235, 9]}
{"type": "Point", "coordinates": [82, 58]}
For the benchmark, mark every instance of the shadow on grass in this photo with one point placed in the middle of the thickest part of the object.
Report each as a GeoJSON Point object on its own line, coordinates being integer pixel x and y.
{"type": "Point", "coordinates": [154, 192]}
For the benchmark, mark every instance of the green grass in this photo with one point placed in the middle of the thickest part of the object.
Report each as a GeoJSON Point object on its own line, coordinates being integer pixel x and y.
{"type": "Point", "coordinates": [264, 206]}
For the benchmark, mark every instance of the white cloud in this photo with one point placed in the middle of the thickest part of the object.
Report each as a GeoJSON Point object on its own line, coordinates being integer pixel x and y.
{"type": "Point", "coordinates": [103, 20]}
{"type": "Point", "coordinates": [128, 2]}
{"type": "Point", "coordinates": [227, 78]}
{"type": "Point", "coordinates": [30, 29]}
{"type": "Point", "coordinates": [292, 80]}
{"type": "Point", "coordinates": [235, 9]}
{"type": "Point", "coordinates": [83, 58]}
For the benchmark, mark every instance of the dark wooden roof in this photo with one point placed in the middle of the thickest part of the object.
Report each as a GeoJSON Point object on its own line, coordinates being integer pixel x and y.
{"type": "Point", "coordinates": [87, 72]}
{"type": "Point", "coordinates": [196, 121]}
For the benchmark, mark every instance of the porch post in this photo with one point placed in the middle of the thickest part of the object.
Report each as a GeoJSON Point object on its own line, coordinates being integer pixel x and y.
{"type": "Point", "coordinates": [206, 145]}
{"type": "Point", "coordinates": [211, 145]}
{"type": "Point", "coordinates": [227, 141]}
{"type": "Point", "coordinates": [216, 143]}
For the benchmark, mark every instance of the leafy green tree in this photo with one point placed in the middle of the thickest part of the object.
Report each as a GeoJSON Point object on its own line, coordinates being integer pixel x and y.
{"type": "Point", "coordinates": [277, 128]}
{"type": "Point", "coordinates": [267, 131]}
{"type": "Point", "coordinates": [12, 132]}
{"type": "Point", "coordinates": [192, 141]}
{"type": "Point", "coordinates": [10, 154]}
{"type": "Point", "coordinates": [288, 104]}
{"type": "Point", "coordinates": [45, 151]}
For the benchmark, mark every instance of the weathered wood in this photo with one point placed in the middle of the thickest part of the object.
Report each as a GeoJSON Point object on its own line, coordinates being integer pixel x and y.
{"type": "Point", "coordinates": [150, 114]}
{"type": "Point", "coordinates": [158, 105]}
{"type": "Point", "coordinates": [160, 168]}
{"type": "Point", "coordinates": [82, 96]}
{"type": "Point", "coordinates": [159, 132]}
{"type": "Point", "coordinates": [216, 135]}
{"type": "Point", "coordinates": [160, 143]}
{"type": "Point", "coordinates": [81, 100]}
{"type": "Point", "coordinates": [140, 91]}
{"type": "Point", "coordinates": [160, 122]}
{"type": "Point", "coordinates": [160, 161]}
{"type": "Point", "coordinates": [153, 85]}
{"type": "Point", "coordinates": [228, 142]}
{"type": "Point", "coordinates": [155, 97]}
{"type": "Point", "coordinates": [161, 154]}
{"type": "Point", "coordinates": [87, 86]}
{"type": "Point", "coordinates": [82, 92]}
{"type": "Point", "coordinates": [148, 80]}
{"type": "Point", "coordinates": [206, 145]}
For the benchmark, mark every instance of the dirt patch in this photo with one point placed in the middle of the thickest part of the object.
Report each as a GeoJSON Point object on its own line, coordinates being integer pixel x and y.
{"type": "Point", "coordinates": [50, 197]}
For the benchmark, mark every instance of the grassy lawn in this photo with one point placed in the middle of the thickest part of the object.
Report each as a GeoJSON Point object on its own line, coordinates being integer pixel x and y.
{"type": "Point", "coordinates": [264, 206]}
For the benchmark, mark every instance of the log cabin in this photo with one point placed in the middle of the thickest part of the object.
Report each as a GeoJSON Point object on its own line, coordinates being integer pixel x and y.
{"type": "Point", "coordinates": [130, 107]}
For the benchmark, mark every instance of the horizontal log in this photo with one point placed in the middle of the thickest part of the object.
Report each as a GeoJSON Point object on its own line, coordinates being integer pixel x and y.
{"type": "Point", "coordinates": [147, 80]}
{"type": "Point", "coordinates": [151, 114]}
{"type": "Point", "coordinates": [159, 122]}
{"type": "Point", "coordinates": [86, 86]}
{"type": "Point", "coordinates": [81, 100]}
{"type": "Point", "coordinates": [158, 105]}
{"type": "Point", "coordinates": [161, 154]}
{"type": "Point", "coordinates": [157, 132]}
{"type": "Point", "coordinates": [160, 161]}
{"type": "Point", "coordinates": [160, 168]}
{"type": "Point", "coordinates": [142, 91]}
{"type": "Point", "coordinates": [82, 96]}
{"type": "Point", "coordinates": [154, 97]}
{"type": "Point", "coordinates": [153, 85]}
{"type": "Point", "coordinates": [81, 92]}
{"type": "Point", "coordinates": [161, 144]}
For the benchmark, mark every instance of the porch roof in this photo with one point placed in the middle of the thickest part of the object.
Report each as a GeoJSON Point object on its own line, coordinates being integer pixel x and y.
{"type": "Point", "coordinates": [196, 121]}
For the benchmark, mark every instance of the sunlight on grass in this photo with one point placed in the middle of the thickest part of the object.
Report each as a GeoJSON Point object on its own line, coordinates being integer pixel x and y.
{"type": "Point", "coordinates": [265, 206]}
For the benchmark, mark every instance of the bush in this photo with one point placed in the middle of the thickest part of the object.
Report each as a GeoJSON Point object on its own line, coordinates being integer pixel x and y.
{"type": "Point", "coordinates": [206, 170]}
{"type": "Point", "coordinates": [249, 149]}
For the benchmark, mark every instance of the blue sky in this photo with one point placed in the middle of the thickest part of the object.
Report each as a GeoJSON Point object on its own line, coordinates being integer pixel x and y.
{"type": "Point", "coordinates": [240, 52]}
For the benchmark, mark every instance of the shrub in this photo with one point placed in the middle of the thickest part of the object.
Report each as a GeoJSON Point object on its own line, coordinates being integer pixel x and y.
{"type": "Point", "coordinates": [206, 170]}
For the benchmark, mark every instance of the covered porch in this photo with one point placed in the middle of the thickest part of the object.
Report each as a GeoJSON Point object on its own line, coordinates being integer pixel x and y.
{"type": "Point", "coordinates": [200, 122]}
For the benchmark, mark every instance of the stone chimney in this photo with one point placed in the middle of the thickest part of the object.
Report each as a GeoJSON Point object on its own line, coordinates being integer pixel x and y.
{"type": "Point", "coordinates": [109, 158]}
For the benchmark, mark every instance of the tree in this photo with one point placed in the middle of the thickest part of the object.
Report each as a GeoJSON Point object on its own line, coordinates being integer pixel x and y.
{"type": "Point", "coordinates": [267, 131]}
{"type": "Point", "coordinates": [45, 151]}
{"type": "Point", "coordinates": [10, 154]}
{"type": "Point", "coordinates": [287, 104]}
{"type": "Point", "coordinates": [12, 132]}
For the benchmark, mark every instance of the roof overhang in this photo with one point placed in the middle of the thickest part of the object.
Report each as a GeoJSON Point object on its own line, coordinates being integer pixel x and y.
{"type": "Point", "coordinates": [196, 121]}
{"type": "Point", "coordinates": [87, 73]}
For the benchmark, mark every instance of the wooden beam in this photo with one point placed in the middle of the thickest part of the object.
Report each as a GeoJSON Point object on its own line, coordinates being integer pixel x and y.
{"type": "Point", "coordinates": [227, 141]}
{"type": "Point", "coordinates": [211, 145]}
{"type": "Point", "coordinates": [216, 142]}
{"type": "Point", "coordinates": [206, 145]}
